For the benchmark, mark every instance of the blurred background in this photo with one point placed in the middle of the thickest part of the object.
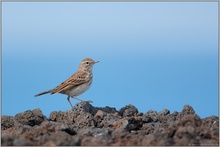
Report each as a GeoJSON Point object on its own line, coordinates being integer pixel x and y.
{"type": "Point", "coordinates": [152, 55]}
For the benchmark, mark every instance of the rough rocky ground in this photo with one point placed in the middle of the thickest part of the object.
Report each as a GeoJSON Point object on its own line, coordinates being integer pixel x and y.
{"type": "Point", "coordinates": [88, 125]}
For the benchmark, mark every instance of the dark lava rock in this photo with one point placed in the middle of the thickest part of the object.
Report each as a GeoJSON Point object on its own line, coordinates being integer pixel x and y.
{"type": "Point", "coordinates": [7, 122]}
{"type": "Point", "coordinates": [31, 118]}
{"type": "Point", "coordinates": [129, 123]}
{"type": "Point", "coordinates": [95, 141]}
{"type": "Point", "coordinates": [92, 131]}
{"type": "Point", "coordinates": [77, 120]}
{"type": "Point", "coordinates": [84, 107]}
{"type": "Point", "coordinates": [151, 116]}
{"type": "Point", "coordinates": [151, 127]}
{"type": "Point", "coordinates": [164, 112]}
{"type": "Point", "coordinates": [94, 126]}
{"type": "Point", "coordinates": [128, 111]}
{"type": "Point", "coordinates": [212, 124]}
{"type": "Point", "coordinates": [107, 109]}
{"type": "Point", "coordinates": [105, 120]}
{"type": "Point", "coordinates": [187, 110]}
{"type": "Point", "coordinates": [15, 141]}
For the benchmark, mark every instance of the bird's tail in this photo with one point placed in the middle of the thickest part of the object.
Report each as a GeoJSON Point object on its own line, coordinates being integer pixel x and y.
{"type": "Point", "coordinates": [45, 92]}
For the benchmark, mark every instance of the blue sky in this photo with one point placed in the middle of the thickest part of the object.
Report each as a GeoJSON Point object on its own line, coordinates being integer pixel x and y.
{"type": "Point", "coordinates": [152, 55]}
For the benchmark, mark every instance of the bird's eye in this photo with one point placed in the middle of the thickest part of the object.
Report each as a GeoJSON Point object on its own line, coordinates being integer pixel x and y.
{"type": "Point", "coordinates": [87, 62]}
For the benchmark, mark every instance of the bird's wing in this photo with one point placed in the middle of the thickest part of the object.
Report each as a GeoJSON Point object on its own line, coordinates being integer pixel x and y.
{"type": "Point", "coordinates": [74, 80]}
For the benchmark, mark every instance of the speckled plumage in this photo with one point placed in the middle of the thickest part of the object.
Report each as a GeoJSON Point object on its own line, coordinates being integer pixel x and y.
{"type": "Point", "coordinates": [76, 84]}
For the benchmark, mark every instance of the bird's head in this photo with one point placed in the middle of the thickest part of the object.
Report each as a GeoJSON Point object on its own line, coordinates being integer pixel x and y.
{"type": "Point", "coordinates": [86, 64]}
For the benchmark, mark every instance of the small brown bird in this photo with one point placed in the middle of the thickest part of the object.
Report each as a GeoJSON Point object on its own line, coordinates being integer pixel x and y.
{"type": "Point", "coordinates": [76, 84]}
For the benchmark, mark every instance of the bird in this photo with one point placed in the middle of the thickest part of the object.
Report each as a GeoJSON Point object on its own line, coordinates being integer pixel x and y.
{"type": "Point", "coordinates": [77, 83]}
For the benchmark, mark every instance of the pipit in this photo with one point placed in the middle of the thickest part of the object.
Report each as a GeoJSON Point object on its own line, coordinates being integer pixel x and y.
{"type": "Point", "coordinates": [76, 84]}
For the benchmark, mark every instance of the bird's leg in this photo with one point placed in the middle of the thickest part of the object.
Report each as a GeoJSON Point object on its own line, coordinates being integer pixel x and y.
{"type": "Point", "coordinates": [82, 100]}
{"type": "Point", "coordinates": [68, 98]}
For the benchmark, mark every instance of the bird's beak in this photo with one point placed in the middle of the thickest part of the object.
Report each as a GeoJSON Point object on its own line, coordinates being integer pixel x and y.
{"type": "Point", "coordinates": [97, 62]}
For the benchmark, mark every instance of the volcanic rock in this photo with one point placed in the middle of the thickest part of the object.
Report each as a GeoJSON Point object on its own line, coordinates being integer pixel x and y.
{"type": "Point", "coordinates": [87, 125]}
